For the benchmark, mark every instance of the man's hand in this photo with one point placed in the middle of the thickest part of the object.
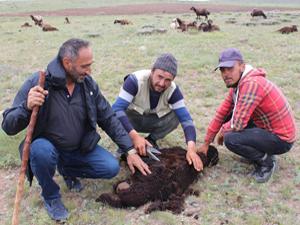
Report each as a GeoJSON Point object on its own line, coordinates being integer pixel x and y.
{"type": "Point", "coordinates": [134, 160]}
{"type": "Point", "coordinates": [192, 156]}
{"type": "Point", "coordinates": [139, 142]}
{"type": "Point", "coordinates": [220, 138]}
{"type": "Point", "coordinates": [36, 97]}
{"type": "Point", "coordinates": [204, 148]}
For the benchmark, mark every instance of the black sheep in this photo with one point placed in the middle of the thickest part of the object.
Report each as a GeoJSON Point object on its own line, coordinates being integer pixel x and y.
{"type": "Point", "coordinates": [167, 185]}
{"type": "Point", "coordinates": [200, 12]}
{"type": "Point", "coordinates": [258, 12]}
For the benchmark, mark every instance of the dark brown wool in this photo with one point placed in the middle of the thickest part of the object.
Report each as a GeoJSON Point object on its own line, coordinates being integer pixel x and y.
{"type": "Point", "coordinates": [167, 185]}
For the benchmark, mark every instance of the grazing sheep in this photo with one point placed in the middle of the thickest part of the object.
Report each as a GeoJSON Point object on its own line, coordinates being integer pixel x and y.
{"type": "Point", "coordinates": [48, 27]}
{"type": "Point", "coordinates": [26, 25]}
{"type": "Point", "coordinates": [200, 12]}
{"type": "Point", "coordinates": [258, 12]}
{"type": "Point", "coordinates": [174, 24]}
{"type": "Point", "coordinates": [167, 185]}
{"type": "Point", "coordinates": [38, 20]}
{"type": "Point", "coordinates": [208, 27]}
{"type": "Point", "coordinates": [287, 30]}
{"type": "Point", "coordinates": [122, 22]}
{"type": "Point", "coordinates": [192, 25]}
{"type": "Point", "coordinates": [67, 21]}
{"type": "Point", "coordinates": [182, 25]}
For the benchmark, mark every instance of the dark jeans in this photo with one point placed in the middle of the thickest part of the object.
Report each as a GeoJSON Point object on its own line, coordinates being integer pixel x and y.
{"type": "Point", "coordinates": [253, 143]}
{"type": "Point", "coordinates": [44, 158]}
{"type": "Point", "coordinates": [151, 123]}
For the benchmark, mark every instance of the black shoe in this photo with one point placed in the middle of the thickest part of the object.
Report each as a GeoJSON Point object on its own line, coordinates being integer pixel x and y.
{"type": "Point", "coordinates": [263, 173]}
{"type": "Point", "coordinates": [73, 183]}
{"type": "Point", "coordinates": [152, 142]}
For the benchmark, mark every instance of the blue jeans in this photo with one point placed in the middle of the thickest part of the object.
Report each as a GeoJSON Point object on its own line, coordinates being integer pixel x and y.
{"type": "Point", "coordinates": [253, 143]}
{"type": "Point", "coordinates": [44, 158]}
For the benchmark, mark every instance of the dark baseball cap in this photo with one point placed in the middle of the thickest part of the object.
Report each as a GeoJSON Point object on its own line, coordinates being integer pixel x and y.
{"type": "Point", "coordinates": [229, 57]}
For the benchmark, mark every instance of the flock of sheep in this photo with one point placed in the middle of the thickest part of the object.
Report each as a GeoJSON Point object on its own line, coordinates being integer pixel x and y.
{"type": "Point", "coordinates": [208, 26]}
{"type": "Point", "coordinates": [38, 20]}
{"type": "Point", "coordinates": [176, 23]}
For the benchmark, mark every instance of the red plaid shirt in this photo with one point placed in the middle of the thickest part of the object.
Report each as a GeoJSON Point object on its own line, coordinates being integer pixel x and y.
{"type": "Point", "coordinates": [257, 99]}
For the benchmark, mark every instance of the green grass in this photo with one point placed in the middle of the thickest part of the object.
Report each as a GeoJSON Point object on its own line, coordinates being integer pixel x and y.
{"type": "Point", "coordinates": [227, 194]}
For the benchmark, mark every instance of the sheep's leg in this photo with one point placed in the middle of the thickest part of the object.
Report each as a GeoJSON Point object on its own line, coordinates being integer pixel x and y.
{"type": "Point", "coordinates": [110, 199]}
{"type": "Point", "coordinates": [154, 206]}
{"type": "Point", "coordinates": [191, 191]}
{"type": "Point", "coordinates": [174, 204]}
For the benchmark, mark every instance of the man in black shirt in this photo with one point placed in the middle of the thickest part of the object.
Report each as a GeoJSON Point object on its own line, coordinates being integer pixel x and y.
{"type": "Point", "coordinates": [71, 106]}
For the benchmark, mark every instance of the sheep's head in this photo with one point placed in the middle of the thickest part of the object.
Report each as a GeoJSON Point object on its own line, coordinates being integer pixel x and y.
{"type": "Point", "coordinates": [294, 28]}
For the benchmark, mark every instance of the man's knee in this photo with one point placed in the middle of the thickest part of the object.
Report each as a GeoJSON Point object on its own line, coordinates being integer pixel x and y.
{"type": "Point", "coordinates": [41, 153]}
{"type": "Point", "coordinates": [231, 140]}
{"type": "Point", "coordinates": [113, 169]}
{"type": "Point", "coordinates": [110, 170]}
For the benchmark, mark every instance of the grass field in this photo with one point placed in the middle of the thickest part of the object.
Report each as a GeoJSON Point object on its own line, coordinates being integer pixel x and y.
{"type": "Point", "coordinates": [227, 196]}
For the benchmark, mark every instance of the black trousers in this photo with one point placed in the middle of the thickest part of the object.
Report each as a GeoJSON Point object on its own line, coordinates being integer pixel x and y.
{"type": "Point", "coordinates": [157, 127]}
{"type": "Point", "coordinates": [253, 143]}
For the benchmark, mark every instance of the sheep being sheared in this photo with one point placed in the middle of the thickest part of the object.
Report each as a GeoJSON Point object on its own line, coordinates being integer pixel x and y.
{"type": "Point", "coordinates": [167, 185]}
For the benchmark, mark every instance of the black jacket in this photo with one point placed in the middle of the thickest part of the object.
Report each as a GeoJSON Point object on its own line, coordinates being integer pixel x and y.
{"type": "Point", "coordinates": [99, 111]}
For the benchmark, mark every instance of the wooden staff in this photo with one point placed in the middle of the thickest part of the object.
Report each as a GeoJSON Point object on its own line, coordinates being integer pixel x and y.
{"type": "Point", "coordinates": [25, 156]}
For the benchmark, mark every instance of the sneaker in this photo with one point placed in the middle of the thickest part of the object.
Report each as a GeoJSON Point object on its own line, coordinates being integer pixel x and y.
{"type": "Point", "coordinates": [73, 183]}
{"type": "Point", "coordinates": [152, 142]}
{"type": "Point", "coordinates": [56, 209]}
{"type": "Point", "coordinates": [263, 173]}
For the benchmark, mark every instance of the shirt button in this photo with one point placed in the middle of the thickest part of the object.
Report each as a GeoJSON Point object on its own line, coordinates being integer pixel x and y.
{"type": "Point", "coordinates": [68, 96]}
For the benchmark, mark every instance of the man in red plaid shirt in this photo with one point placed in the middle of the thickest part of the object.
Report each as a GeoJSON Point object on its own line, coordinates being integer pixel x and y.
{"type": "Point", "coordinates": [255, 120]}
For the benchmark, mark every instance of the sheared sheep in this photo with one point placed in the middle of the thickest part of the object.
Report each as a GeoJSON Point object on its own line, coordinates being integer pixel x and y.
{"type": "Point", "coordinates": [167, 185]}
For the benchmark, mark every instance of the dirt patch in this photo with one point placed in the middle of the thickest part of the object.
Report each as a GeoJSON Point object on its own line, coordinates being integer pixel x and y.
{"type": "Point", "coordinates": [8, 179]}
{"type": "Point", "coordinates": [144, 9]}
